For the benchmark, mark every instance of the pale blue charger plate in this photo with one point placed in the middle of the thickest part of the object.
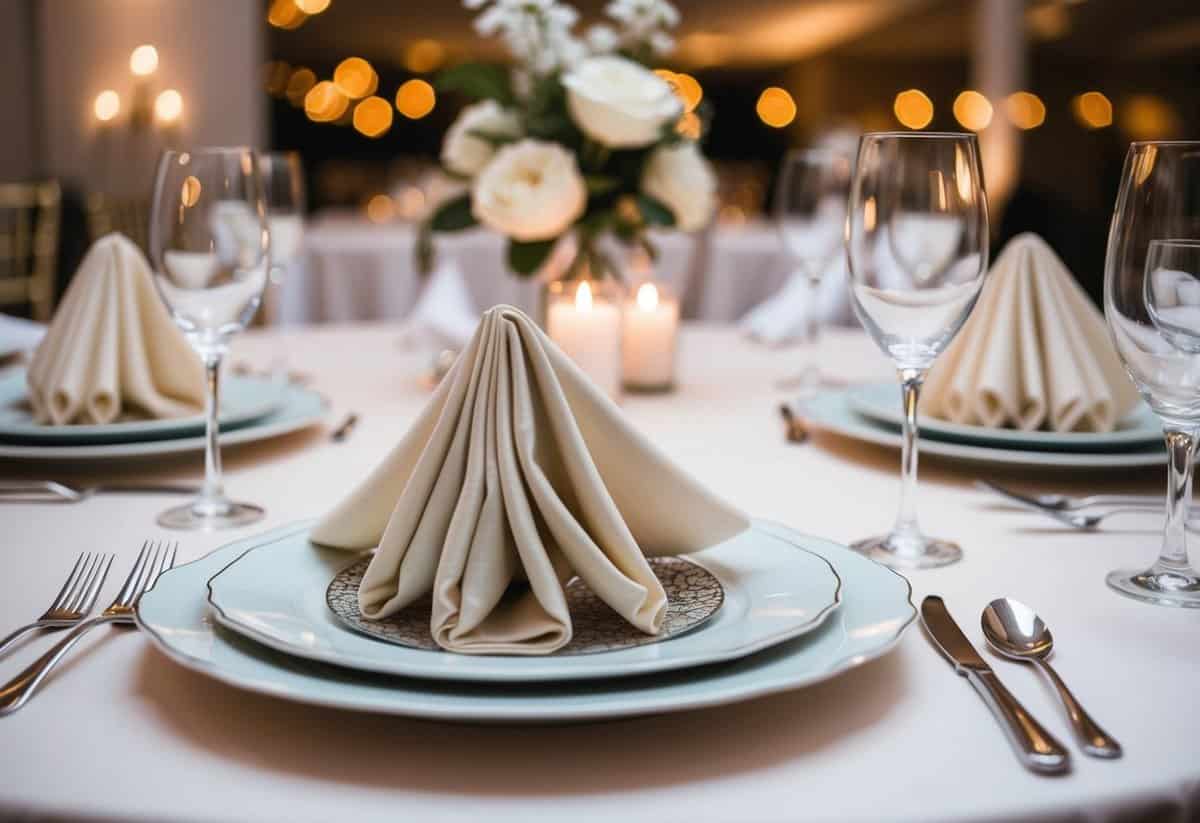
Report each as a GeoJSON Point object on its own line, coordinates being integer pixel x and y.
{"type": "Point", "coordinates": [1140, 429]}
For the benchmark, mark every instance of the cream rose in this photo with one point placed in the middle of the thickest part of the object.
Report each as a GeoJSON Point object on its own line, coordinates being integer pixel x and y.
{"type": "Point", "coordinates": [531, 190]}
{"type": "Point", "coordinates": [619, 103]}
{"type": "Point", "coordinates": [682, 179]}
{"type": "Point", "coordinates": [464, 153]}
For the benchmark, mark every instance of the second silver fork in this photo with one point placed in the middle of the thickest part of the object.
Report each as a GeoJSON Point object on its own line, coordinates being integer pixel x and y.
{"type": "Point", "coordinates": [73, 601]}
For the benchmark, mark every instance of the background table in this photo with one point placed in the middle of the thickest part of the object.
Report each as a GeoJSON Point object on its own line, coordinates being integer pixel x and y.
{"type": "Point", "coordinates": [121, 732]}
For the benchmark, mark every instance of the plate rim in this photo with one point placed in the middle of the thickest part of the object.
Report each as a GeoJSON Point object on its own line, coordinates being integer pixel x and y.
{"type": "Point", "coordinates": [760, 687]}
{"type": "Point", "coordinates": [649, 666]}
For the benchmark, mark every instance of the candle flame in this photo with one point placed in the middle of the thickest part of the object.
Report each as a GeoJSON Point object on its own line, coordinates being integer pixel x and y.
{"type": "Point", "coordinates": [583, 297]}
{"type": "Point", "coordinates": [647, 297]}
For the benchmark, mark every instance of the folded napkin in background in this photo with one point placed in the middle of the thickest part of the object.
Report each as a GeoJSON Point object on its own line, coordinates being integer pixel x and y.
{"type": "Point", "coordinates": [1034, 354]}
{"type": "Point", "coordinates": [444, 311]}
{"type": "Point", "coordinates": [781, 317]}
{"type": "Point", "coordinates": [519, 475]}
{"type": "Point", "coordinates": [112, 348]}
{"type": "Point", "coordinates": [18, 334]}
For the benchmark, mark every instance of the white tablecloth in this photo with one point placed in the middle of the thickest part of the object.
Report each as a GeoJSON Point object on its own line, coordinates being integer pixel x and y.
{"type": "Point", "coordinates": [121, 732]}
{"type": "Point", "coordinates": [355, 271]}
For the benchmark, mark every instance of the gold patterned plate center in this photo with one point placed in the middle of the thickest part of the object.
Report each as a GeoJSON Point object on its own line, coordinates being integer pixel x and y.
{"type": "Point", "coordinates": [694, 595]}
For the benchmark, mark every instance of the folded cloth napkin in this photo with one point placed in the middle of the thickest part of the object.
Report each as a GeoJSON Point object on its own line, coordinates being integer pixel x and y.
{"type": "Point", "coordinates": [781, 317]}
{"type": "Point", "coordinates": [1034, 354]}
{"type": "Point", "coordinates": [112, 348]}
{"type": "Point", "coordinates": [519, 475]}
{"type": "Point", "coordinates": [444, 311]}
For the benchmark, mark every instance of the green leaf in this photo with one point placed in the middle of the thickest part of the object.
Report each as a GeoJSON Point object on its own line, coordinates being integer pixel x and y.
{"type": "Point", "coordinates": [454, 215]}
{"type": "Point", "coordinates": [481, 81]}
{"type": "Point", "coordinates": [424, 249]}
{"type": "Point", "coordinates": [495, 138]}
{"type": "Point", "coordinates": [527, 258]}
{"type": "Point", "coordinates": [654, 212]}
{"type": "Point", "coordinates": [600, 184]}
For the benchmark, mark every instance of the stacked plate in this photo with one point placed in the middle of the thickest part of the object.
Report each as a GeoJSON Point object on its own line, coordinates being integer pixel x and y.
{"type": "Point", "coordinates": [252, 409]}
{"type": "Point", "coordinates": [872, 413]}
{"type": "Point", "coordinates": [263, 614]}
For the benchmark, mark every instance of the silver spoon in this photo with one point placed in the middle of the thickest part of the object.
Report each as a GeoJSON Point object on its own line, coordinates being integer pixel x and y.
{"type": "Point", "coordinates": [1013, 630]}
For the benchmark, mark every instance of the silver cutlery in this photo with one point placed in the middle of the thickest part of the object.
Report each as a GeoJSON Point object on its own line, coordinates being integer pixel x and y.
{"type": "Point", "coordinates": [1036, 748]}
{"type": "Point", "coordinates": [1014, 630]}
{"type": "Point", "coordinates": [1070, 510]}
{"type": "Point", "coordinates": [152, 560]}
{"type": "Point", "coordinates": [51, 491]}
{"type": "Point", "coordinates": [74, 600]}
{"type": "Point", "coordinates": [345, 428]}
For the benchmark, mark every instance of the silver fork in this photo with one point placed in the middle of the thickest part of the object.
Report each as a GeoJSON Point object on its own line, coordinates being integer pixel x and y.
{"type": "Point", "coordinates": [153, 560]}
{"type": "Point", "coordinates": [1066, 503]}
{"type": "Point", "coordinates": [51, 491]}
{"type": "Point", "coordinates": [73, 601]}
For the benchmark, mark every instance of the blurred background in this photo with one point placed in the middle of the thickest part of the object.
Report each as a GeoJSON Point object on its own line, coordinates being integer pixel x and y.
{"type": "Point", "coordinates": [1056, 89]}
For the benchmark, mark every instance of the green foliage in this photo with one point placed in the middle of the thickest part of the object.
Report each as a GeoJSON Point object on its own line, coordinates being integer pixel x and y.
{"type": "Point", "coordinates": [454, 215]}
{"type": "Point", "coordinates": [526, 258]}
{"type": "Point", "coordinates": [479, 81]}
{"type": "Point", "coordinates": [654, 212]}
{"type": "Point", "coordinates": [496, 139]}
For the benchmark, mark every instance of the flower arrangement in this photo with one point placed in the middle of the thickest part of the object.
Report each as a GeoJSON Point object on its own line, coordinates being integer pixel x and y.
{"type": "Point", "coordinates": [579, 137]}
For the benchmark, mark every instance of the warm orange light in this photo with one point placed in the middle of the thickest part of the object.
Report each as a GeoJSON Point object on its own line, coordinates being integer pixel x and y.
{"type": "Point", "coordinates": [424, 56]}
{"type": "Point", "coordinates": [312, 6]}
{"type": "Point", "coordinates": [168, 106]}
{"type": "Point", "coordinates": [380, 209]}
{"type": "Point", "coordinates": [415, 99]}
{"type": "Point", "coordinates": [647, 297]}
{"type": "Point", "coordinates": [107, 105]}
{"type": "Point", "coordinates": [144, 60]}
{"type": "Point", "coordinates": [286, 14]}
{"type": "Point", "coordinates": [299, 84]}
{"type": "Point", "coordinates": [913, 109]}
{"type": "Point", "coordinates": [355, 78]}
{"type": "Point", "coordinates": [373, 117]}
{"type": "Point", "coordinates": [1093, 110]}
{"type": "Point", "coordinates": [410, 205]}
{"type": "Point", "coordinates": [583, 297]}
{"type": "Point", "coordinates": [1147, 117]}
{"type": "Point", "coordinates": [189, 193]}
{"type": "Point", "coordinates": [972, 110]}
{"type": "Point", "coordinates": [686, 87]}
{"type": "Point", "coordinates": [276, 75]}
{"type": "Point", "coordinates": [689, 126]}
{"type": "Point", "coordinates": [1025, 109]}
{"type": "Point", "coordinates": [325, 102]}
{"type": "Point", "coordinates": [776, 107]}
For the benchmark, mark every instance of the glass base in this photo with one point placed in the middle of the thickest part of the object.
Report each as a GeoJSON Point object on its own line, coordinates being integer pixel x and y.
{"type": "Point", "coordinates": [209, 515]}
{"type": "Point", "coordinates": [909, 551]}
{"type": "Point", "coordinates": [1161, 585]}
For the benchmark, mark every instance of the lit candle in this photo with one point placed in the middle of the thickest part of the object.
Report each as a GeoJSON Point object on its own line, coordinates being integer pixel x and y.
{"type": "Point", "coordinates": [651, 328]}
{"type": "Point", "coordinates": [587, 326]}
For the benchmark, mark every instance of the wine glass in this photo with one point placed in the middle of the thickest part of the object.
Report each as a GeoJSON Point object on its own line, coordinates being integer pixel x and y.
{"type": "Point", "coordinates": [1152, 305]}
{"type": "Point", "coordinates": [209, 242]}
{"type": "Point", "coordinates": [283, 192]}
{"type": "Point", "coordinates": [810, 212]}
{"type": "Point", "coordinates": [918, 252]}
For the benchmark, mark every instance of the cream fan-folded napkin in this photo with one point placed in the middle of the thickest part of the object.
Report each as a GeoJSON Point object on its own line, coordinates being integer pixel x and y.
{"type": "Point", "coordinates": [112, 349]}
{"type": "Point", "coordinates": [1035, 354]}
{"type": "Point", "coordinates": [519, 475]}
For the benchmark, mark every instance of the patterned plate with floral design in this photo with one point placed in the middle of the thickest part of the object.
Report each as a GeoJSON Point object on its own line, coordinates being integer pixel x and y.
{"type": "Point", "coordinates": [693, 596]}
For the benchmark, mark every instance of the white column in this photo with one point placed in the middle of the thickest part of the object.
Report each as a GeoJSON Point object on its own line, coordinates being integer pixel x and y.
{"type": "Point", "coordinates": [998, 68]}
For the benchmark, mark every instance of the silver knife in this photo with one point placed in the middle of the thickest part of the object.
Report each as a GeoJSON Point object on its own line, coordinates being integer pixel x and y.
{"type": "Point", "coordinates": [1036, 748]}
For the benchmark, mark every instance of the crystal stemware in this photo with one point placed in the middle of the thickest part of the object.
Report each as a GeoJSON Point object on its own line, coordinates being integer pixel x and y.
{"type": "Point", "coordinates": [209, 243]}
{"type": "Point", "coordinates": [918, 253]}
{"type": "Point", "coordinates": [1152, 305]}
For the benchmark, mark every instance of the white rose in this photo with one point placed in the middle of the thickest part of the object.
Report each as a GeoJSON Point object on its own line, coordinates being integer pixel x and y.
{"type": "Point", "coordinates": [682, 179]}
{"type": "Point", "coordinates": [465, 154]}
{"type": "Point", "coordinates": [530, 191]}
{"type": "Point", "coordinates": [618, 102]}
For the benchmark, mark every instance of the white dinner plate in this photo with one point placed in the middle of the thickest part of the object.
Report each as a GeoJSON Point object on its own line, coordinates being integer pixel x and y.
{"type": "Point", "coordinates": [1139, 430]}
{"type": "Point", "coordinates": [243, 399]}
{"type": "Point", "coordinates": [275, 594]}
{"type": "Point", "coordinates": [298, 408]}
{"type": "Point", "coordinates": [876, 608]}
{"type": "Point", "coordinates": [832, 411]}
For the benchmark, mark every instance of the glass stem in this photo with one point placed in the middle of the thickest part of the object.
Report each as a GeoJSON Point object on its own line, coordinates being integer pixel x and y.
{"type": "Point", "coordinates": [212, 495]}
{"type": "Point", "coordinates": [906, 519]}
{"type": "Point", "coordinates": [1181, 450]}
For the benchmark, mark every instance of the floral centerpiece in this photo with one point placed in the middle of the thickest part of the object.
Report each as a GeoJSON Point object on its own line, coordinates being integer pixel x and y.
{"type": "Point", "coordinates": [579, 137]}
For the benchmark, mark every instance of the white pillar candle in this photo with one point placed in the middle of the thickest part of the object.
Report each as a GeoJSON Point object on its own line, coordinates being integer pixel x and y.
{"type": "Point", "coordinates": [651, 329]}
{"type": "Point", "coordinates": [587, 326]}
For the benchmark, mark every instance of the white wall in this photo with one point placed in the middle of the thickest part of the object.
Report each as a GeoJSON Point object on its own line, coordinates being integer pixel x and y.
{"type": "Point", "coordinates": [210, 50]}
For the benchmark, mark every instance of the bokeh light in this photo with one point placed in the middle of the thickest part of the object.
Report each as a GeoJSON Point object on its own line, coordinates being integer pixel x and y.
{"type": "Point", "coordinates": [285, 14]}
{"type": "Point", "coordinates": [299, 84]}
{"type": "Point", "coordinates": [189, 193]}
{"type": "Point", "coordinates": [972, 110]}
{"type": "Point", "coordinates": [380, 209]}
{"type": "Point", "coordinates": [689, 126]}
{"type": "Point", "coordinates": [275, 77]}
{"type": "Point", "coordinates": [776, 107]}
{"type": "Point", "coordinates": [168, 106]}
{"type": "Point", "coordinates": [1148, 117]}
{"type": "Point", "coordinates": [355, 78]}
{"type": "Point", "coordinates": [107, 105]}
{"type": "Point", "coordinates": [312, 6]}
{"type": "Point", "coordinates": [325, 102]}
{"type": "Point", "coordinates": [424, 56]}
{"type": "Point", "coordinates": [1025, 109]}
{"type": "Point", "coordinates": [373, 117]}
{"type": "Point", "coordinates": [143, 60]}
{"type": "Point", "coordinates": [913, 109]}
{"type": "Point", "coordinates": [1093, 110]}
{"type": "Point", "coordinates": [415, 99]}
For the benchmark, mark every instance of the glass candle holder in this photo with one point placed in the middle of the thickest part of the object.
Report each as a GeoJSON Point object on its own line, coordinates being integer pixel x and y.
{"type": "Point", "coordinates": [649, 337]}
{"type": "Point", "coordinates": [583, 317]}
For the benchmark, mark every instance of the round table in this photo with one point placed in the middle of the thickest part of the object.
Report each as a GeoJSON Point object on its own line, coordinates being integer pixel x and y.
{"type": "Point", "coordinates": [122, 732]}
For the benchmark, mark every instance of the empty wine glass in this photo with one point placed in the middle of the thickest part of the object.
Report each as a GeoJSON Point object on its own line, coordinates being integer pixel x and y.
{"type": "Point", "coordinates": [1152, 305]}
{"type": "Point", "coordinates": [283, 191]}
{"type": "Point", "coordinates": [209, 242]}
{"type": "Point", "coordinates": [810, 212]}
{"type": "Point", "coordinates": [918, 253]}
